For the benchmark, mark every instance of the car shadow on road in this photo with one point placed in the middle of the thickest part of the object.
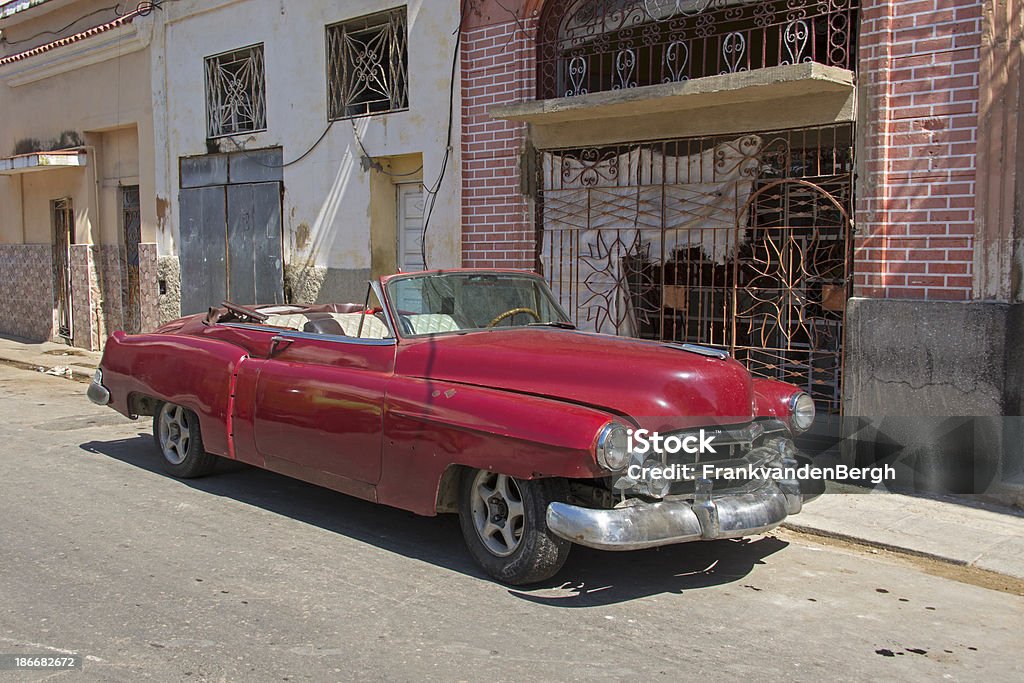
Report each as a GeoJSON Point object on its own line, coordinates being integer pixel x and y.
{"type": "Point", "coordinates": [590, 578]}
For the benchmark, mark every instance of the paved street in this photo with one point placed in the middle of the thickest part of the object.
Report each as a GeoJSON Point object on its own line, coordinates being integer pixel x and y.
{"type": "Point", "coordinates": [250, 576]}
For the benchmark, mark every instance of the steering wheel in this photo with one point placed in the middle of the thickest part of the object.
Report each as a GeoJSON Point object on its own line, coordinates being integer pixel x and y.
{"type": "Point", "coordinates": [514, 311]}
{"type": "Point", "coordinates": [244, 312]}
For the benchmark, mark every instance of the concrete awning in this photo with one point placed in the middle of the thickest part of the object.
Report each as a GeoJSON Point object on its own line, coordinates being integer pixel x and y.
{"type": "Point", "coordinates": [796, 94]}
{"type": "Point", "coordinates": [43, 161]}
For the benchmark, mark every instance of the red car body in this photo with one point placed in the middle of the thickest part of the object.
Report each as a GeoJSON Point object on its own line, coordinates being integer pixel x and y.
{"type": "Point", "coordinates": [395, 420]}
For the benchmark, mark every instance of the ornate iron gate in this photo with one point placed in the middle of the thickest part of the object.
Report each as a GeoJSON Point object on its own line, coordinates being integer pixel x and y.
{"type": "Point", "coordinates": [739, 241]}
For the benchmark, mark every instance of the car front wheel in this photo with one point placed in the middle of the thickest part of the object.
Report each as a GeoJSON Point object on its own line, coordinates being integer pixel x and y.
{"type": "Point", "coordinates": [177, 435]}
{"type": "Point", "coordinates": [503, 522]}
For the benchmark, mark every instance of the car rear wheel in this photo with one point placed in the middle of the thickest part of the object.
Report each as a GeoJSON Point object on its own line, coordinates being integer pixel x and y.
{"type": "Point", "coordinates": [177, 436]}
{"type": "Point", "coordinates": [503, 522]}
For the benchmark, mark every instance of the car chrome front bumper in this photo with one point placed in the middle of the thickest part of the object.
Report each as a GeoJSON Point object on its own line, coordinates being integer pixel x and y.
{"type": "Point", "coordinates": [678, 520]}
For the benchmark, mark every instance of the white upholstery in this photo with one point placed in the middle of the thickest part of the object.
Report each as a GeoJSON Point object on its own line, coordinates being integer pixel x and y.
{"type": "Point", "coordinates": [373, 328]}
{"type": "Point", "coordinates": [293, 321]}
{"type": "Point", "coordinates": [432, 323]}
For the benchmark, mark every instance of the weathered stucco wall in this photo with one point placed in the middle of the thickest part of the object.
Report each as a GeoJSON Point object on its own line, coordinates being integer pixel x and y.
{"type": "Point", "coordinates": [327, 198]}
{"type": "Point", "coordinates": [935, 386]}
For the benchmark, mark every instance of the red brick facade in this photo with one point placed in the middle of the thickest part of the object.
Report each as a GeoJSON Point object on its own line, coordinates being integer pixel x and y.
{"type": "Point", "coordinates": [915, 200]}
{"type": "Point", "coordinates": [497, 220]}
{"type": "Point", "coordinates": [914, 215]}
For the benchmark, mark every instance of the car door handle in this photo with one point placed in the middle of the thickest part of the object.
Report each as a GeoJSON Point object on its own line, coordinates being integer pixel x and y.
{"type": "Point", "coordinates": [279, 342]}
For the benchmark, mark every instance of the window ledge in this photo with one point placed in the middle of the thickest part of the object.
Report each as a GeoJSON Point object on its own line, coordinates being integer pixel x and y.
{"type": "Point", "coordinates": [43, 161]}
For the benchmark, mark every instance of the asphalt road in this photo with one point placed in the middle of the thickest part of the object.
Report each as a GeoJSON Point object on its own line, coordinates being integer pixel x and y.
{"type": "Point", "coordinates": [250, 576]}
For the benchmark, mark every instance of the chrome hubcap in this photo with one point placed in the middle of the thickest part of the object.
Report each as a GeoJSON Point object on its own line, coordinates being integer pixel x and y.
{"type": "Point", "coordinates": [498, 512]}
{"type": "Point", "coordinates": [174, 433]}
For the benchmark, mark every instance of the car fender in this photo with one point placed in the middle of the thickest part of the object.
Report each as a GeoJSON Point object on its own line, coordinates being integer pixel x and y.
{"type": "Point", "coordinates": [194, 372]}
{"type": "Point", "coordinates": [431, 426]}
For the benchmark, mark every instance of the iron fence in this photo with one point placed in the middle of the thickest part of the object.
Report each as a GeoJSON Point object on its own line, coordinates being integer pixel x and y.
{"type": "Point", "coordinates": [734, 241]}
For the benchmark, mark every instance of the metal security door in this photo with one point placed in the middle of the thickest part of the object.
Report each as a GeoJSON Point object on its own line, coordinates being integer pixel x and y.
{"type": "Point", "coordinates": [255, 273]}
{"type": "Point", "coordinates": [131, 225]}
{"type": "Point", "coordinates": [63, 238]}
{"type": "Point", "coordinates": [202, 248]}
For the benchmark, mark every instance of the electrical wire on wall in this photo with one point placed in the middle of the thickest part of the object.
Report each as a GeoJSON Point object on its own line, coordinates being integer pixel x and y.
{"type": "Point", "coordinates": [141, 9]}
{"type": "Point", "coordinates": [433, 191]}
{"type": "Point", "coordinates": [249, 153]}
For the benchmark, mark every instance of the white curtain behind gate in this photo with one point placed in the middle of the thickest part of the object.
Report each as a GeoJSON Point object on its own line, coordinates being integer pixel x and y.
{"type": "Point", "coordinates": [599, 210]}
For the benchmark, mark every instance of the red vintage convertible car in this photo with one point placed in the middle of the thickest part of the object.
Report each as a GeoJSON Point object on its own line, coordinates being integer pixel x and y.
{"type": "Point", "coordinates": [468, 391]}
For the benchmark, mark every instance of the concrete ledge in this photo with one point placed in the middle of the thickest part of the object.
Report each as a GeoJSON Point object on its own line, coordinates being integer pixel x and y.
{"type": "Point", "coordinates": [771, 83]}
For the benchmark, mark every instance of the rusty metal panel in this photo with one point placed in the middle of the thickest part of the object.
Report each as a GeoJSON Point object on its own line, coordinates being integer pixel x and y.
{"type": "Point", "coordinates": [262, 165]}
{"type": "Point", "coordinates": [201, 248]}
{"type": "Point", "coordinates": [210, 169]}
{"type": "Point", "coordinates": [254, 243]}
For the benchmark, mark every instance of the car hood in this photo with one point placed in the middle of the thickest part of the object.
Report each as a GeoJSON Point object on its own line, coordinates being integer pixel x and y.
{"type": "Point", "coordinates": [660, 386]}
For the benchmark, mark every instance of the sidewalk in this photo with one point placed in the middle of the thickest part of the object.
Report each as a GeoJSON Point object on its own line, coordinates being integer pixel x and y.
{"type": "Point", "coordinates": [59, 360]}
{"type": "Point", "coordinates": [943, 530]}
{"type": "Point", "coordinates": [960, 534]}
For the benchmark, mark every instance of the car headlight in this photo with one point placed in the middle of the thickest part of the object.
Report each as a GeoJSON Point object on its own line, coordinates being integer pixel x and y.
{"type": "Point", "coordinates": [801, 411]}
{"type": "Point", "coordinates": [613, 447]}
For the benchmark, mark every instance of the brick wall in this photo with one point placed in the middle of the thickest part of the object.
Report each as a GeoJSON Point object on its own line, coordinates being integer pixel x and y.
{"type": "Point", "coordinates": [497, 67]}
{"type": "Point", "coordinates": [918, 68]}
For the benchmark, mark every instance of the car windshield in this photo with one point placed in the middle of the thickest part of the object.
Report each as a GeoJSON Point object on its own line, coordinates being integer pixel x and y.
{"type": "Point", "coordinates": [438, 303]}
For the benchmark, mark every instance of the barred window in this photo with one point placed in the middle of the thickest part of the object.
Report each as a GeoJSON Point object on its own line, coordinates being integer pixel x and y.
{"type": "Point", "coordinates": [368, 65]}
{"type": "Point", "coordinates": [236, 98]}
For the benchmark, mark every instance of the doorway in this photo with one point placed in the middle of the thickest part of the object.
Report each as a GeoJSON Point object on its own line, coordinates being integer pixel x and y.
{"type": "Point", "coordinates": [230, 239]}
{"type": "Point", "coordinates": [410, 226]}
{"type": "Point", "coordinates": [131, 230]}
{"type": "Point", "coordinates": [63, 217]}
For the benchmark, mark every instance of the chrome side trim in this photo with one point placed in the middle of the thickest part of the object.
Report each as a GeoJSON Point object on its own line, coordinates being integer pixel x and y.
{"type": "Point", "coordinates": [709, 351]}
{"type": "Point", "coordinates": [295, 334]}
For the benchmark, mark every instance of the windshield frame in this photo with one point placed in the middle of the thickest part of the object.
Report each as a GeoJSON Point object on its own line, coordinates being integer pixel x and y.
{"type": "Point", "coordinates": [392, 312]}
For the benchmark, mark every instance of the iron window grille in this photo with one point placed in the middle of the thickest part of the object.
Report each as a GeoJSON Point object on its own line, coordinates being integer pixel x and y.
{"type": "Point", "coordinates": [586, 46]}
{"type": "Point", "coordinates": [236, 98]}
{"type": "Point", "coordinates": [368, 65]}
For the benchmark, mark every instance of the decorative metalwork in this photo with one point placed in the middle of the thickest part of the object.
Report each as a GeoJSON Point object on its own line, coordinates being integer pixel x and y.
{"type": "Point", "coordinates": [735, 241]}
{"type": "Point", "coordinates": [795, 39]}
{"type": "Point", "coordinates": [368, 65]}
{"type": "Point", "coordinates": [236, 98]}
{"type": "Point", "coordinates": [586, 46]}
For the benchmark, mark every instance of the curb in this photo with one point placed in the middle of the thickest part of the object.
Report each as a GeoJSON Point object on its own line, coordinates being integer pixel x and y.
{"type": "Point", "coordinates": [877, 545]}
{"type": "Point", "coordinates": [76, 373]}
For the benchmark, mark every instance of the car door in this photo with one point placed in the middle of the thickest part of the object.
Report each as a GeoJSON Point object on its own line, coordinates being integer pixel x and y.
{"type": "Point", "coordinates": [319, 404]}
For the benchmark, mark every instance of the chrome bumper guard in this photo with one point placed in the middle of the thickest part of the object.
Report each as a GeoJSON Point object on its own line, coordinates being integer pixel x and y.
{"type": "Point", "coordinates": [703, 517]}
{"type": "Point", "coordinates": [98, 393]}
